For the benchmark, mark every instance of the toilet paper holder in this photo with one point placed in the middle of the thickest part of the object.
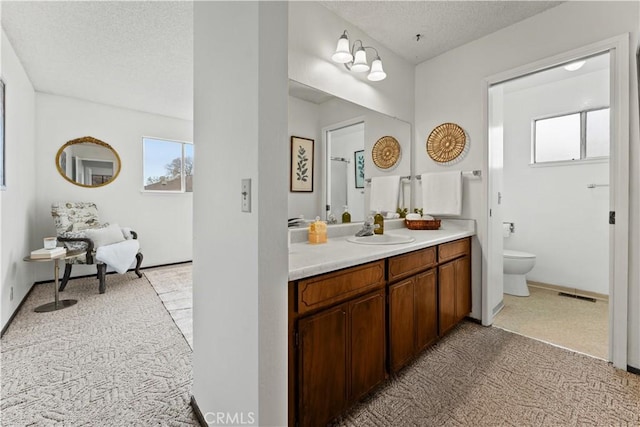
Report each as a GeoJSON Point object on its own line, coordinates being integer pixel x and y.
{"type": "Point", "coordinates": [512, 227]}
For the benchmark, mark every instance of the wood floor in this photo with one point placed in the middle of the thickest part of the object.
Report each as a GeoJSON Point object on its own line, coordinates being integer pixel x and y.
{"type": "Point", "coordinates": [568, 322]}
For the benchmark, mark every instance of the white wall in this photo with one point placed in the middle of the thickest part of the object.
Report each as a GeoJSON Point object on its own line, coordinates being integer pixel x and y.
{"type": "Point", "coordinates": [163, 221]}
{"type": "Point", "coordinates": [19, 199]}
{"type": "Point", "coordinates": [556, 216]}
{"type": "Point", "coordinates": [313, 35]}
{"type": "Point", "coordinates": [240, 265]}
{"type": "Point", "coordinates": [304, 119]}
{"type": "Point", "coordinates": [449, 88]}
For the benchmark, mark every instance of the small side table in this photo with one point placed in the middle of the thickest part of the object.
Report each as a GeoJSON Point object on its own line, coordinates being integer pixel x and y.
{"type": "Point", "coordinates": [57, 304]}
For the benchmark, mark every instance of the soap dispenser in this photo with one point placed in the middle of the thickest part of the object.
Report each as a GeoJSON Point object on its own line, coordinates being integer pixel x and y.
{"type": "Point", "coordinates": [346, 216]}
{"type": "Point", "coordinates": [378, 221]}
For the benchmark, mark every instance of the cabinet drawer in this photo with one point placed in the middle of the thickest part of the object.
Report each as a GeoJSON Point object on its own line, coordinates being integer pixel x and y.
{"type": "Point", "coordinates": [453, 250]}
{"type": "Point", "coordinates": [402, 266]}
{"type": "Point", "coordinates": [324, 290]}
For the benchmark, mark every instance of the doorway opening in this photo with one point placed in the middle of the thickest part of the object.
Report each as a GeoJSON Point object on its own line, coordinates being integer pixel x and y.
{"type": "Point", "coordinates": [344, 161]}
{"type": "Point", "coordinates": [556, 140]}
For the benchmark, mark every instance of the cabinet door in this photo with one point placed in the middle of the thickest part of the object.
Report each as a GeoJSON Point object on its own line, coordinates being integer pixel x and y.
{"type": "Point", "coordinates": [367, 329]}
{"type": "Point", "coordinates": [402, 330]}
{"type": "Point", "coordinates": [426, 306]}
{"type": "Point", "coordinates": [447, 297]}
{"type": "Point", "coordinates": [322, 364]}
{"type": "Point", "coordinates": [463, 287]}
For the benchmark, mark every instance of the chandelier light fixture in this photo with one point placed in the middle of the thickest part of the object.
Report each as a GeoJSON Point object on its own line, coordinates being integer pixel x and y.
{"type": "Point", "coordinates": [355, 59]}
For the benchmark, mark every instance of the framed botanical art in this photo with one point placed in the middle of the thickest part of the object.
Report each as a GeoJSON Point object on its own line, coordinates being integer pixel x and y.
{"type": "Point", "coordinates": [301, 176]}
{"type": "Point", "coordinates": [358, 157]}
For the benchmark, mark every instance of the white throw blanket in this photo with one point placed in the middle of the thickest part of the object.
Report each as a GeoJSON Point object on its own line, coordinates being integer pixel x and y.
{"type": "Point", "coordinates": [119, 256]}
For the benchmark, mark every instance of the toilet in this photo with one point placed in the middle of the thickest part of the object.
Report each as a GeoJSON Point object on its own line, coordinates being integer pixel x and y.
{"type": "Point", "coordinates": [516, 265]}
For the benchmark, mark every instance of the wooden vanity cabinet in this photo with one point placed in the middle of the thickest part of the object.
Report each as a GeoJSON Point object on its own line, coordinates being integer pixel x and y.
{"type": "Point", "coordinates": [338, 351]}
{"type": "Point", "coordinates": [413, 307]}
{"type": "Point", "coordinates": [454, 280]}
{"type": "Point", "coordinates": [347, 327]}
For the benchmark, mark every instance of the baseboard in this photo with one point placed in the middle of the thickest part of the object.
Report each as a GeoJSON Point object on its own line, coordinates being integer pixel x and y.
{"type": "Point", "coordinates": [567, 290]}
{"type": "Point", "coordinates": [198, 412]}
{"type": "Point", "coordinates": [633, 370]}
{"type": "Point", "coordinates": [114, 272]}
{"type": "Point", "coordinates": [4, 329]}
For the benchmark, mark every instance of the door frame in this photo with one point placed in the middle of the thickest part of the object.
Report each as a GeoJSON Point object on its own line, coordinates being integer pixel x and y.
{"type": "Point", "coordinates": [618, 48]}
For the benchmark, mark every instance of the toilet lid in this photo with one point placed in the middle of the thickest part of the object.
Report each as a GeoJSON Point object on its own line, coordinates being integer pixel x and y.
{"type": "Point", "coordinates": [517, 254]}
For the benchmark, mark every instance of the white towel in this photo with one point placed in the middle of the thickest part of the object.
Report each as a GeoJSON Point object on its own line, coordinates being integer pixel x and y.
{"type": "Point", "coordinates": [384, 193]}
{"type": "Point", "coordinates": [119, 256]}
{"type": "Point", "coordinates": [442, 193]}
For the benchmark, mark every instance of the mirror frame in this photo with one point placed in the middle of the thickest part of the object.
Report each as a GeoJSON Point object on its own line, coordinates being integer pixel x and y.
{"type": "Point", "coordinates": [92, 140]}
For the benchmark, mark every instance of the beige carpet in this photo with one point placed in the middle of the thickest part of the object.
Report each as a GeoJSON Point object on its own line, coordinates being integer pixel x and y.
{"type": "Point", "coordinates": [569, 322]}
{"type": "Point", "coordinates": [174, 286]}
{"type": "Point", "coordinates": [479, 376]}
{"type": "Point", "coordinates": [115, 359]}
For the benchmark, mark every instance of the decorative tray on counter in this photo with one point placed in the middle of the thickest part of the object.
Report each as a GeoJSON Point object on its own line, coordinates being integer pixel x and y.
{"type": "Point", "coordinates": [422, 224]}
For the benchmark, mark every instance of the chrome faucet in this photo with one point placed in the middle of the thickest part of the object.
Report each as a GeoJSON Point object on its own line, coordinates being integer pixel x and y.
{"type": "Point", "coordinates": [367, 227]}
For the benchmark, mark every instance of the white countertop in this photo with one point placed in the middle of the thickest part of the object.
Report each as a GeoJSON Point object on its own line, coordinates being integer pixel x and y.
{"type": "Point", "coordinates": [306, 260]}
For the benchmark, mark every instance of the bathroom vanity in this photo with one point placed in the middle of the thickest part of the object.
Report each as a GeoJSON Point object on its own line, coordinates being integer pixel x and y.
{"type": "Point", "coordinates": [358, 313]}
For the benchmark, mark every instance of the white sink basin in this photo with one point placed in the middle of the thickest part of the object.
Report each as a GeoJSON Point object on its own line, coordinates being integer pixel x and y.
{"type": "Point", "coordinates": [381, 239]}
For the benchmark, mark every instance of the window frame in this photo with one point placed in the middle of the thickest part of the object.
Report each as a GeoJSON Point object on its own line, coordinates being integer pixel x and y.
{"type": "Point", "coordinates": [183, 181]}
{"type": "Point", "coordinates": [583, 139]}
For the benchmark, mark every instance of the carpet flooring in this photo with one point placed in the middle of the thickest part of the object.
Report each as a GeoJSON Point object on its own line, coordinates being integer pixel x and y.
{"type": "Point", "coordinates": [114, 359]}
{"type": "Point", "coordinates": [479, 376]}
{"type": "Point", "coordinates": [174, 286]}
{"type": "Point", "coordinates": [568, 322]}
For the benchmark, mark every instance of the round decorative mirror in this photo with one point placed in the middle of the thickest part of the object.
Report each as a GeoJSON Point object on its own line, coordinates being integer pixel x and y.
{"type": "Point", "coordinates": [88, 162]}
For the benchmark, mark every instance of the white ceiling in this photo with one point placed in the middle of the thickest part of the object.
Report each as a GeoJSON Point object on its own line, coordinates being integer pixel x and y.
{"type": "Point", "coordinates": [444, 25]}
{"type": "Point", "coordinates": [139, 55]}
{"type": "Point", "coordinates": [136, 55]}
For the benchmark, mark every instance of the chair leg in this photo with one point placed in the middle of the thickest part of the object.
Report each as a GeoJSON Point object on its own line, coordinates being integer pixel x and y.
{"type": "Point", "coordinates": [102, 272]}
{"type": "Point", "coordinates": [65, 277]}
{"type": "Point", "coordinates": [138, 263]}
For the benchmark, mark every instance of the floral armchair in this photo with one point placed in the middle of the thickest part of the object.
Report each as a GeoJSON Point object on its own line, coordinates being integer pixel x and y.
{"type": "Point", "coordinates": [72, 221]}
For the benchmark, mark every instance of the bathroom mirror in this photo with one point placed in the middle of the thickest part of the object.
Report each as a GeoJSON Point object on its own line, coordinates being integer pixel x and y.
{"type": "Point", "coordinates": [345, 134]}
{"type": "Point", "coordinates": [88, 162]}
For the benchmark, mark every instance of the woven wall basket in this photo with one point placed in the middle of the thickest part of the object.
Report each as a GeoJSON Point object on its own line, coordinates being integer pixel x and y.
{"type": "Point", "coordinates": [446, 142]}
{"type": "Point", "coordinates": [386, 152]}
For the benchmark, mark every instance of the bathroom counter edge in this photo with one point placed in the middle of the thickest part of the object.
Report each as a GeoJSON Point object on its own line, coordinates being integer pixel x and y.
{"type": "Point", "coordinates": [307, 260]}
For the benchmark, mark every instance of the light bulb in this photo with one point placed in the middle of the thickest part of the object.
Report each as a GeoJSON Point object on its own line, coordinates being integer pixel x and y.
{"type": "Point", "coordinates": [574, 65]}
{"type": "Point", "coordinates": [342, 55]}
{"type": "Point", "coordinates": [360, 62]}
{"type": "Point", "coordinates": [377, 73]}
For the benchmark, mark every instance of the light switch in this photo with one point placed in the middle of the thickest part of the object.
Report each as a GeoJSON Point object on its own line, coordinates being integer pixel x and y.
{"type": "Point", "coordinates": [246, 195]}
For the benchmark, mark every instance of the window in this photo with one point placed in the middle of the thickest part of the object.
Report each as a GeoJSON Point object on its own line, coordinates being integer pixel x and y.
{"type": "Point", "coordinates": [168, 165]}
{"type": "Point", "coordinates": [577, 136]}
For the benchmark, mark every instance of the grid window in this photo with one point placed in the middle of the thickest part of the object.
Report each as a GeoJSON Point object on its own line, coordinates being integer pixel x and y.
{"type": "Point", "coordinates": [577, 136]}
{"type": "Point", "coordinates": [168, 165]}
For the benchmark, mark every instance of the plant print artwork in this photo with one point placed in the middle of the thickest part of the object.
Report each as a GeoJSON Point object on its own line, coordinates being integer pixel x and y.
{"type": "Point", "coordinates": [302, 170]}
{"type": "Point", "coordinates": [301, 178]}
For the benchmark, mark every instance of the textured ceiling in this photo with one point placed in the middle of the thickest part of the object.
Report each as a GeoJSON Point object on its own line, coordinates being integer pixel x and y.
{"type": "Point", "coordinates": [136, 55]}
{"type": "Point", "coordinates": [443, 25]}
